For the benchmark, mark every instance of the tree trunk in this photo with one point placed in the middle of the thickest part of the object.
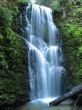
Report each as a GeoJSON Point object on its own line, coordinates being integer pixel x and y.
{"type": "Point", "coordinates": [77, 90]}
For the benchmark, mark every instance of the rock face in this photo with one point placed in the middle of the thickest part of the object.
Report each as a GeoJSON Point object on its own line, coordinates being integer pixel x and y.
{"type": "Point", "coordinates": [75, 92]}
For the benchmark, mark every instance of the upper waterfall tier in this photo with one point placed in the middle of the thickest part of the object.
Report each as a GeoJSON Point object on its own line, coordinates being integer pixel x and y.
{"type": "Point", "coordinates": [32, 1]}
{"type": "Point", "coordinates": [42, 24]}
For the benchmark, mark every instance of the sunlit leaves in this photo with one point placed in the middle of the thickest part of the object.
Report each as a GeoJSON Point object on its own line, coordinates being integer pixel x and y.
{"type": "Point", "coordinates": [55, 5]}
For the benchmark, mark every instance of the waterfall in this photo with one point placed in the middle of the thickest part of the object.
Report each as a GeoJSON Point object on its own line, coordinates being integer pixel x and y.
{"type": "Point", "coordinates": [44, 53]}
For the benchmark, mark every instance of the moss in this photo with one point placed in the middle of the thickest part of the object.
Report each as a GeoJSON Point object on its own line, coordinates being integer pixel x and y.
{"type": "Point", "coordinates": [71, 32]}
{"type": "Point", "coordinates": [55, 5]}
{"type": "Point", "coordinates": [13, 64]}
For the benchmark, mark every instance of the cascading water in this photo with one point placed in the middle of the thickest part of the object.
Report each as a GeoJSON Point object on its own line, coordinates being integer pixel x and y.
{"type": "Point", "coordinates": [44, 53]}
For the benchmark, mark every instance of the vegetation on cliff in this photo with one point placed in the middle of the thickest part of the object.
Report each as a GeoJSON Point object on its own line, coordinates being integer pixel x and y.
{"type": "Point", "coordinates": [13, 65]}
{"type": "Point", "coordinates": [71, 31]}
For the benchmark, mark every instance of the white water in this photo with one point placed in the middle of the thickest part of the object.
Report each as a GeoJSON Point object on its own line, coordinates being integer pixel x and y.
{"type": "Point", "coordinates": [32, 1]}
{"type": "Point", "coordinates": [44, 54]}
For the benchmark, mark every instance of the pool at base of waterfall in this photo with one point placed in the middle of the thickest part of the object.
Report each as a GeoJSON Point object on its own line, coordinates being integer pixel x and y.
{"type": "Point", "coordinates": [44, 100]}
{"type": "Point", "coordinates": [43, 104]}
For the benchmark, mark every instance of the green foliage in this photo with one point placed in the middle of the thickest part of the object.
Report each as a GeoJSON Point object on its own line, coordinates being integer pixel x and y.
{"type": "Point", "coordinates": [13, 67]}
{"type": "Point", "coordinates": [3, 63]}
{"type": "Point", "coordinates": [55, 5]}
{"type": "Point", "coordinates": [1, 39]}
{"type": "Point", "coordinates": [23, 1]}
{"type": "Point", "coordinates": [71, 29]}
{"type": "Point", "coordinates": [80, 49]}
{"type": "Point", "coordinates": [79, 10]}
{"type": "Point", "coordinates": [7, 98]}
{"type": "Point", "coordinates": [5, 17]}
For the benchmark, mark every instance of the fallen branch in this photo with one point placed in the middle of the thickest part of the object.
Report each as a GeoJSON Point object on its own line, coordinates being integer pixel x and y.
{"type": "Point", "coordinates": [77, 90]}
